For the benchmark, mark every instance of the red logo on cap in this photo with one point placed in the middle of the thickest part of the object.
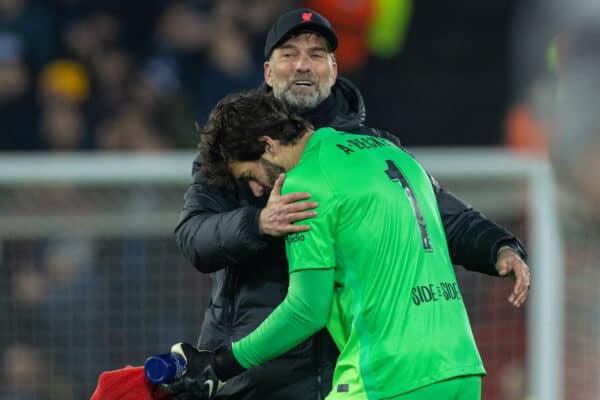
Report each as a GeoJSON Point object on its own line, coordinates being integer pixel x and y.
{"type": "Point", "coordinates": [306, 17]}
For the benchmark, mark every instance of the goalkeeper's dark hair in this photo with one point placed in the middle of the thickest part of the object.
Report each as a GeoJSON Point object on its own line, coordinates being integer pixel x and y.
{"type": "Point", "coordinates": [234, 127]}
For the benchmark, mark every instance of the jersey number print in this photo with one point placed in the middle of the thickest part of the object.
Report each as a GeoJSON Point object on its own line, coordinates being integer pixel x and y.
{"type": "Point", "coordinates": [396, 175]}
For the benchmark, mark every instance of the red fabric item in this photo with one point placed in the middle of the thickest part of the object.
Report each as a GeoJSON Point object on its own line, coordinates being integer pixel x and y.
{"type": "Point", "coordinates": [128, 383]}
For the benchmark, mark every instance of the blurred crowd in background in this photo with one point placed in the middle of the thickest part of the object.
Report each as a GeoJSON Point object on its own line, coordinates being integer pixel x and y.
{"type": "Point", "coordinates": [135, 75]}
{"type": "Point", "coordinates": [132, 75]}
{"type": "Point", "coordinates": [122, 75]}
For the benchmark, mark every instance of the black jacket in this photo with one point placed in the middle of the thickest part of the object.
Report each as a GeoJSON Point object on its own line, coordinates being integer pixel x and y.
{"type": "Point", "coordinates": [218, 233]}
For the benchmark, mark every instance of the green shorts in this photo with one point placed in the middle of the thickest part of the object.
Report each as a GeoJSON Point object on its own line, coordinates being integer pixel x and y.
{"type": "Point", "coordinates": [459, 388]}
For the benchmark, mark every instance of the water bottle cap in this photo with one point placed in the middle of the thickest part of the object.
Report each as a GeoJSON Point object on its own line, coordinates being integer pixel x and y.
{"type": "Point", "coordinates": [157, 370]}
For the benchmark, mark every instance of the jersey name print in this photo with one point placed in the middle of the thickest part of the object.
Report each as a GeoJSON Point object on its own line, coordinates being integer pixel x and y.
{"type": "Point", "coordinates": [349, 146]}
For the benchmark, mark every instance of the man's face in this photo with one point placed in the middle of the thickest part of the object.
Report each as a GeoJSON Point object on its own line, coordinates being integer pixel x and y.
{"type": "Point", "coordinates": [301, 71]}
{"type": "Point", "coordinates": [260, 174]}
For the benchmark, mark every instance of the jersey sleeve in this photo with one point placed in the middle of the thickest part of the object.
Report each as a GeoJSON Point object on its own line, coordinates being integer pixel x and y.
{"type": "Point", "coordinates": [300, 315]}
{"type": "Point", "coordinates": [314, 248]}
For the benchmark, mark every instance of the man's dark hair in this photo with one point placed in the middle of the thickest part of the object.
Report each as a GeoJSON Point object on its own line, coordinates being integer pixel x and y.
{"type": "Point", "coordinates": [234, 127]}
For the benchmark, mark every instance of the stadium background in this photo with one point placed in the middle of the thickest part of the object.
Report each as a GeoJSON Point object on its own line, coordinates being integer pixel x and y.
{"type": "Point", "coordinates": [90, 276]}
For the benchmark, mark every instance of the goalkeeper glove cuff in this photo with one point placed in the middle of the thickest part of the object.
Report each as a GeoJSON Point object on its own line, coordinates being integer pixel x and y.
{"type": "Point", "coordinates": [225, 364]}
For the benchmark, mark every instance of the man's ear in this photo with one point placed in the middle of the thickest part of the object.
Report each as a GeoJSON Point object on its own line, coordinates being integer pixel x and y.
{"type": "Point", "coordinates": [334, 72]}
{"type": "Point", "coordinates": [270, 144]}
{"type": "Point", "coordinates": [267, 73]}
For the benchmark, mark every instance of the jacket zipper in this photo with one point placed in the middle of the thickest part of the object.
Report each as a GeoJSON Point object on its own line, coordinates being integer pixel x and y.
{"type": "Point", "coordinates": [318, 360]}
{"type": "Point", "coordinates": [230, 289]}
{"type": "Point", "coordinates": [319, 384]}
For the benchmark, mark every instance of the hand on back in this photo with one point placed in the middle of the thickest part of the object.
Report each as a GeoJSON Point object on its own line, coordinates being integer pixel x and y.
{"type": "Point", "coordinates": [281, 211]}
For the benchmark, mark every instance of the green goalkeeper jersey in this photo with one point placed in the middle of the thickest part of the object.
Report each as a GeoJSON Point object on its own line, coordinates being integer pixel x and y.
{"type": "Point", "coordinates": [397, 314]}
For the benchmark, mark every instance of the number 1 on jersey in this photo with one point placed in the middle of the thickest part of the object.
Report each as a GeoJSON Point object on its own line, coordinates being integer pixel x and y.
{"type": "Point", "coordinates": [396, 175]}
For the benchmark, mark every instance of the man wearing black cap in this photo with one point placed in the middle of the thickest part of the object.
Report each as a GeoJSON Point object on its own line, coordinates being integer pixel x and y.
{"type": "Point", "coordinates": [236, 233]}
{"type": "Point", "coordinates": [303, 68]}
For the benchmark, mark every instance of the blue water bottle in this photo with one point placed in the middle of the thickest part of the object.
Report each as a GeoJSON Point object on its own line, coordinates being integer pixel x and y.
{"type": "Point", "coordinates": [164, 368]}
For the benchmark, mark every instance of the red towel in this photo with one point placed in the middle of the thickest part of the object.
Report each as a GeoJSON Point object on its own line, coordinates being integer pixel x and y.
{"type": "Point", "coordinates": [128, 383]}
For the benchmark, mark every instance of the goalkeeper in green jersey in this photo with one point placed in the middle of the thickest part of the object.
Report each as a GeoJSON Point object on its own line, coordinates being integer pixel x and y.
{"type": "Point", "coordinates": [372, 265]}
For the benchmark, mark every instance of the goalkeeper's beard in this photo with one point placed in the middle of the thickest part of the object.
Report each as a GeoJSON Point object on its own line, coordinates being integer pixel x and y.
{"type": "Point", "coordinates": [272, 172]}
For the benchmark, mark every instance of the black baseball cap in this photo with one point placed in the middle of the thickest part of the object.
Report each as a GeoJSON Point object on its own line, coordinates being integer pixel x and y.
{"type": "Point", "coordinates": [299, 20]}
